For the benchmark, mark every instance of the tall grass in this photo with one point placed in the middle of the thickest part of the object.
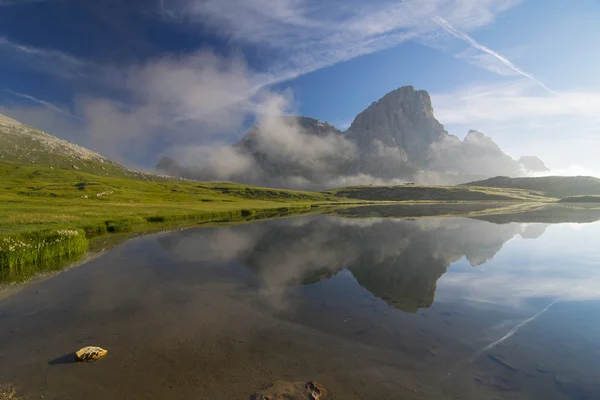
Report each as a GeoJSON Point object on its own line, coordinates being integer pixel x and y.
{"type": "Point", "coordinates": [24, 255]}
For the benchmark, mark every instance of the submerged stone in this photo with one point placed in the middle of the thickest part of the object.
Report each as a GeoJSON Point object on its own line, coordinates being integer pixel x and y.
{"type": "Point", "coordinates": [281, 390]}
{"type": "Point", "coordinates": [90, 353]}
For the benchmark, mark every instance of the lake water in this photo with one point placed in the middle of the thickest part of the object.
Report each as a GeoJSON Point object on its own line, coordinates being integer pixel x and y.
{"type": "Point", "coordinates": [372, 308]}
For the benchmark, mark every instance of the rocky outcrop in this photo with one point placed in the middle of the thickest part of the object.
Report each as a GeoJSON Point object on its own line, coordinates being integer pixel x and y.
{"type": "Point", "coordinates": [402, 120]}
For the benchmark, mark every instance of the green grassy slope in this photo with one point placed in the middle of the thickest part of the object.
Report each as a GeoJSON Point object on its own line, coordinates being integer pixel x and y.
{"type": "Point", "coordinates": [438, 193]}
{"type": "Point", "coordinates": [553, 186]}
{"type": "Point", "coordinates": [23, 144]}
{"type": "Point", "coordinates": [35, 198]}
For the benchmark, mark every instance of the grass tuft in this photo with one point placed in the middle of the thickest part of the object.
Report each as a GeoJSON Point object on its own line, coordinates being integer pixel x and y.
{"type": "Point", "coordinates": [24, 255]}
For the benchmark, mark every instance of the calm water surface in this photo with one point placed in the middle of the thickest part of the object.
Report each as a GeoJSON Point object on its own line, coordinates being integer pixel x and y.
{"type": "Point", "coordinates": [377, 308]}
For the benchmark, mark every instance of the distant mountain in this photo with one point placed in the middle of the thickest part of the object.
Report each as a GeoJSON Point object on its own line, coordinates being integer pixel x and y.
{"type": "Point", "coordinates": [23, 144]}
{"type": "Point", "coordinates": [533, 164]}
{"type": "Point", "coordinates": [395, 138]}
{"type": "Point", "coordinates": [554, 186]}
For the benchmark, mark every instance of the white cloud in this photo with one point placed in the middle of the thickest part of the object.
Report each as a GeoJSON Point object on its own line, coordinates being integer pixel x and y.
{"type": "Point", "coordinates": [512, 101]}
{"type": "Point", "coordinates": [563, 130]}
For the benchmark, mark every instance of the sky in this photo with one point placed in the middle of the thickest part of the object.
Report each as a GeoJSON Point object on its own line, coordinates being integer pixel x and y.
{"type": "Point", "coordinates": [135, 80]}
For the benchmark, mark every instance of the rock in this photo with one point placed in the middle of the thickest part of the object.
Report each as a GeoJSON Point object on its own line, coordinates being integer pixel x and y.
{"type": "Point", "coordinates": [74, 166]}
{"type": "Point", "coordinates": [90, 353]}
{"type": "Point", "coordinates": [281, 390]}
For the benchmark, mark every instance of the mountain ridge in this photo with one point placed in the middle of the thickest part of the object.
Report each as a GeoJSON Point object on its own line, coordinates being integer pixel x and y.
{"type": "Point", "coordinates": [23, 144]}
{"type": "Point", "coordinates": [396, 138]}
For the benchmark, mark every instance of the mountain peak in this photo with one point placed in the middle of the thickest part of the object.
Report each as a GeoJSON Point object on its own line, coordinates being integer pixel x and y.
{"type": "Point", "coordinates": [396, 137]}
{"type": "Point", "coordinates": [533, 164]}
{"type": "Point", "coordinates": [402, 119]}
{"type": "Point", "coordinates": [406, 100]}
{"type": "Point", "coordinates": [473, 134]}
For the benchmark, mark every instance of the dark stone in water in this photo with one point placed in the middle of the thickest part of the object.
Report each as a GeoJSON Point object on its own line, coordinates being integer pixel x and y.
{"type": "Point", "coordinates": [281, 390]}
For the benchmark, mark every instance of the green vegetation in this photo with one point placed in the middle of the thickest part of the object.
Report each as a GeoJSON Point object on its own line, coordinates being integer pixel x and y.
{"type": "Point", "coordinates": [438, 193]}
{"type": "Point", "coordinates": [580, 199]}
{"type": "Point", "coordinates": [38, 203]}
{"type": "Point", "coordinates": [552, 186]}
{"type": "Point", "coordinates": [24, 255]}
{"type": "Point", "coordinates": [23, 144]}
{"type": "Point", "coordinates": [36, 198]}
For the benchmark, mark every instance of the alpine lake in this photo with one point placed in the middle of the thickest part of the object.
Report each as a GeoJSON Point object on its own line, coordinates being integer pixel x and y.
{"type": "Point", "coordinates": [386, 302]}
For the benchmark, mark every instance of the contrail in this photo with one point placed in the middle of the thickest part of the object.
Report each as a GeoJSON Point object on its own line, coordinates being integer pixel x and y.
{"type": "Point", "coordinates": [44, 103]}
{"type": "Point", "coordinates": [497, 342]}
{"type": "Point", "coordinates": [509, 333]}
{"type": "Point", "coordinates": [463, 36]}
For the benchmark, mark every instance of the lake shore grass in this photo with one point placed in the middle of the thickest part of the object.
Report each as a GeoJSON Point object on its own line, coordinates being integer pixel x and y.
{"type": "Point", "coordinates": [39, 204]}
{"type": "Point", "coordinates": [26, 254]}
{"type": "Point", "coordinates": [34, 198]}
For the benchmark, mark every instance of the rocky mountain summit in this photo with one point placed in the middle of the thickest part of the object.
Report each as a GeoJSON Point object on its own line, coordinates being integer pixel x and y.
{"type": "Point", "coordinates": [395, 138]}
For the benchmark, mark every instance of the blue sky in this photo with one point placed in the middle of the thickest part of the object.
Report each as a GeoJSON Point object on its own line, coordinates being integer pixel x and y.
{"type": "Point", "coordinates": [139, 79]}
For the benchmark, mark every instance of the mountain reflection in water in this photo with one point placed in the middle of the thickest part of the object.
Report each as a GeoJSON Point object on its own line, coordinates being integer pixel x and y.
{"type": "Point", "coordinates": [397, 260]}
{"type": "Point", "coordinates": [488, 307]}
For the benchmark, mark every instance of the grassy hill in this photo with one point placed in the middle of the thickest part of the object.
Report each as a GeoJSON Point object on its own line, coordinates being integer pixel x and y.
{"type": "Point", "coordinates": [23, 144]}
{"type": "Point", "coordinates": [438, 193]}
{"type": "Point", "coordinates": [552, 186]}
{"type": "Point", "coordinates": [47, 215]}
{"type": "Point", "coordinates": [34, 198]}
{"type": "Point", "coordinates": [48, 183]}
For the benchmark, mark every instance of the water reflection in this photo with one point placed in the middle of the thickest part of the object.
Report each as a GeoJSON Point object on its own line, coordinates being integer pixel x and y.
{"type": "Point", "coordinates": [426, 308]}
{"type": "Point", "coordinates": [397, 260]}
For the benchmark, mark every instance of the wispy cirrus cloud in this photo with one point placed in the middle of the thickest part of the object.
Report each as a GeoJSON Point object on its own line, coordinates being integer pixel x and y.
{"type": "Point", "coordinates": [448, 27]}
{"type": "Point", "coordinates": [62, 65]}
{"type": "Point", "coordinates": [44, 103]}
{"type": "Point", "coordinates": [485, 61]}
{"type": "Point", "coordinates": [300, 36]}
{"type": "Point", "coordinates": [513, 101]}
{"type": "Point", "coordinates": [295, 37]}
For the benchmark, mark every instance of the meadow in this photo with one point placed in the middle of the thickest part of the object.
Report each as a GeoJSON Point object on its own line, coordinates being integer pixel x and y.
{"type": "Point", "coordinates": [47, 215]}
